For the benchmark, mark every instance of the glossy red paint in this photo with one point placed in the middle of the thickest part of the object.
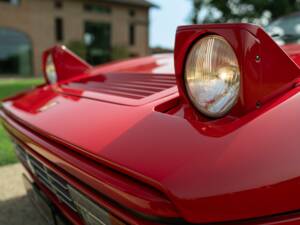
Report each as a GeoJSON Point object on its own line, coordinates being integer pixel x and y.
{"type": "Point", "coordinates": [108, 205]}
{"type": "Point", "coordinates": [293, 50]}
{"type": "Point", "coordinates": [161, 157]}
{"type": "Point", "coordinates": [67, 64]}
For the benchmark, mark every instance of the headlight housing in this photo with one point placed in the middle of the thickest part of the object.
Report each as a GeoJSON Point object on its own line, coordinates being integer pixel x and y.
{"type": "Point", "coordinates": [50, 70]}
{"type": "Point", "coordinates": [212, 76]}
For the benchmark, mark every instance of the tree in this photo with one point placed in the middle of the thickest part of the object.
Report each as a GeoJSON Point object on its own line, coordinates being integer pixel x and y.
{"type": "Point", "coordinates": [78, 47]}
{"type": "Point", "coordinates": [197, 6]}
{"type": "Point", "coordinates": [120, 52]}
{"type": "Point", "coordinates": [242, 10]}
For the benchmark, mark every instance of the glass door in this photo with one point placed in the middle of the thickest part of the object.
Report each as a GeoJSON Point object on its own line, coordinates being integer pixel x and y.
{"type": "Point", "coordinates": [98, 41]}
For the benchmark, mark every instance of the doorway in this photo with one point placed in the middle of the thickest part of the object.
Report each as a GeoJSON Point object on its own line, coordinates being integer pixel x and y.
{"type": "Point", "coordinates": [98, 42]}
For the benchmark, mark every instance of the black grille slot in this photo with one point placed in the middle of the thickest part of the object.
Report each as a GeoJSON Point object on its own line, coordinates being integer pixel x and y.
{"type": "Point", "coordinates": [21, 154]}
{"type": "Point", "coordinates": [52, 181]}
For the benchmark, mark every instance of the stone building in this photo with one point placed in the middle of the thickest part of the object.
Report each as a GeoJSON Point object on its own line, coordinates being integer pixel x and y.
{"type": "Point", "coordinates": [101, 27]}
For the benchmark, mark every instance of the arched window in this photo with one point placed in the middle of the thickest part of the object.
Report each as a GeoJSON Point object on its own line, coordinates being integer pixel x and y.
{"type": "Point", "coordinates": [15, 53]}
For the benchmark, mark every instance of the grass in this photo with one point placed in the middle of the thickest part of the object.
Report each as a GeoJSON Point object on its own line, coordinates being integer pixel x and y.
{"type": "Point", "coordinates": [9, 87]}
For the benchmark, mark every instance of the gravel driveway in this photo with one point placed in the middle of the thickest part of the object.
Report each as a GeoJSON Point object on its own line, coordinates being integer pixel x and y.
{"type": "Point", "coordinates": [15, 207]}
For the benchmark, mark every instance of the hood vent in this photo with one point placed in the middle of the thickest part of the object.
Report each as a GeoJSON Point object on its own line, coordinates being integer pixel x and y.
{"type": "Point", "coordinates": [132, 86]}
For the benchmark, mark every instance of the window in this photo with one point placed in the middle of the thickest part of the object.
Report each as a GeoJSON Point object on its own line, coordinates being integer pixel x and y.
{"type": "Point", "coordinates": [132, 13]}
{"type": "Point", "coordinates": [97, 38]}
{"type": "Point", "coordinates": [15, 53]}
{"type": "Point", "coordinates": [132, 34]}
{"type": "Point", "coordinates": [13, 2]}
{"type": "Point", "coordinates": [97, 8]}
{"type": "Point", "coordinates": [58, 4]}
{"type": "Point", "coordinates": [59, 33]}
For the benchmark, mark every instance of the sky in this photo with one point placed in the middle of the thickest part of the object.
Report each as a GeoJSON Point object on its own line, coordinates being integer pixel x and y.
{"type": "Point", "coordinates": [164, 21]}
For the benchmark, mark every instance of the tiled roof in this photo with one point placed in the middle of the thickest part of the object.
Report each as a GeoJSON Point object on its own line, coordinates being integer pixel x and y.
{"type": "Point", "coordinates": [143, 3]}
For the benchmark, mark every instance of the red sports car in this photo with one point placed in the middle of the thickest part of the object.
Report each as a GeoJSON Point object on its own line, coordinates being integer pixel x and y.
{"type": "Point", "coordinates": [214, 141]}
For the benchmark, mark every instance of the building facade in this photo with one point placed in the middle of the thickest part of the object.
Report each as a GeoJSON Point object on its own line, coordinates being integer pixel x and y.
{"type": "Point", "coordinates": [103, 29]}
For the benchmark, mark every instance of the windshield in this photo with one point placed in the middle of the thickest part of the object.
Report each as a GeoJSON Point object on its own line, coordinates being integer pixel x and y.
{"type": "Point", "coordinates": [285, 30]}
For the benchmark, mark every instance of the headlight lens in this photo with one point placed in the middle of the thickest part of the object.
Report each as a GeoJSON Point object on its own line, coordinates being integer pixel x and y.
{"type": "Point", "coordinates": [212, 76]}
{"type": "Point", "coordinates": [51, 70]}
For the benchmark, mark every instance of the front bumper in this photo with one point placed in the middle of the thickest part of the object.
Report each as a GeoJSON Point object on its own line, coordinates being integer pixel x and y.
{"type": "Point", "coordinates": [49, 212]}
{"type": "Point", "coordinates": [58, 164]}
{"type": "Point", "coordinates": [65, 212]}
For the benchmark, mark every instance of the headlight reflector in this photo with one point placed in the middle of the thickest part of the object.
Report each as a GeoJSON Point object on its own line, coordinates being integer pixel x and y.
{"type": "Point", "coordinates": [51, 70]}
{"type": "Point", "coordinates": [212, 76]}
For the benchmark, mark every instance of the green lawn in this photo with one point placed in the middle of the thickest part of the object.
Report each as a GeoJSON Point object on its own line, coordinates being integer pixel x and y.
{"type": "Point", "coordinates": [9, 87]}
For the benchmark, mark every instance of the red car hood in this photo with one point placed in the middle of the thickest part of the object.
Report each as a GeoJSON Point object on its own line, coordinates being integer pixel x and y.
{"type": "Point", "coordinates": [293, 50]}
{"type": "Point", "coordinates": [207, 177]}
